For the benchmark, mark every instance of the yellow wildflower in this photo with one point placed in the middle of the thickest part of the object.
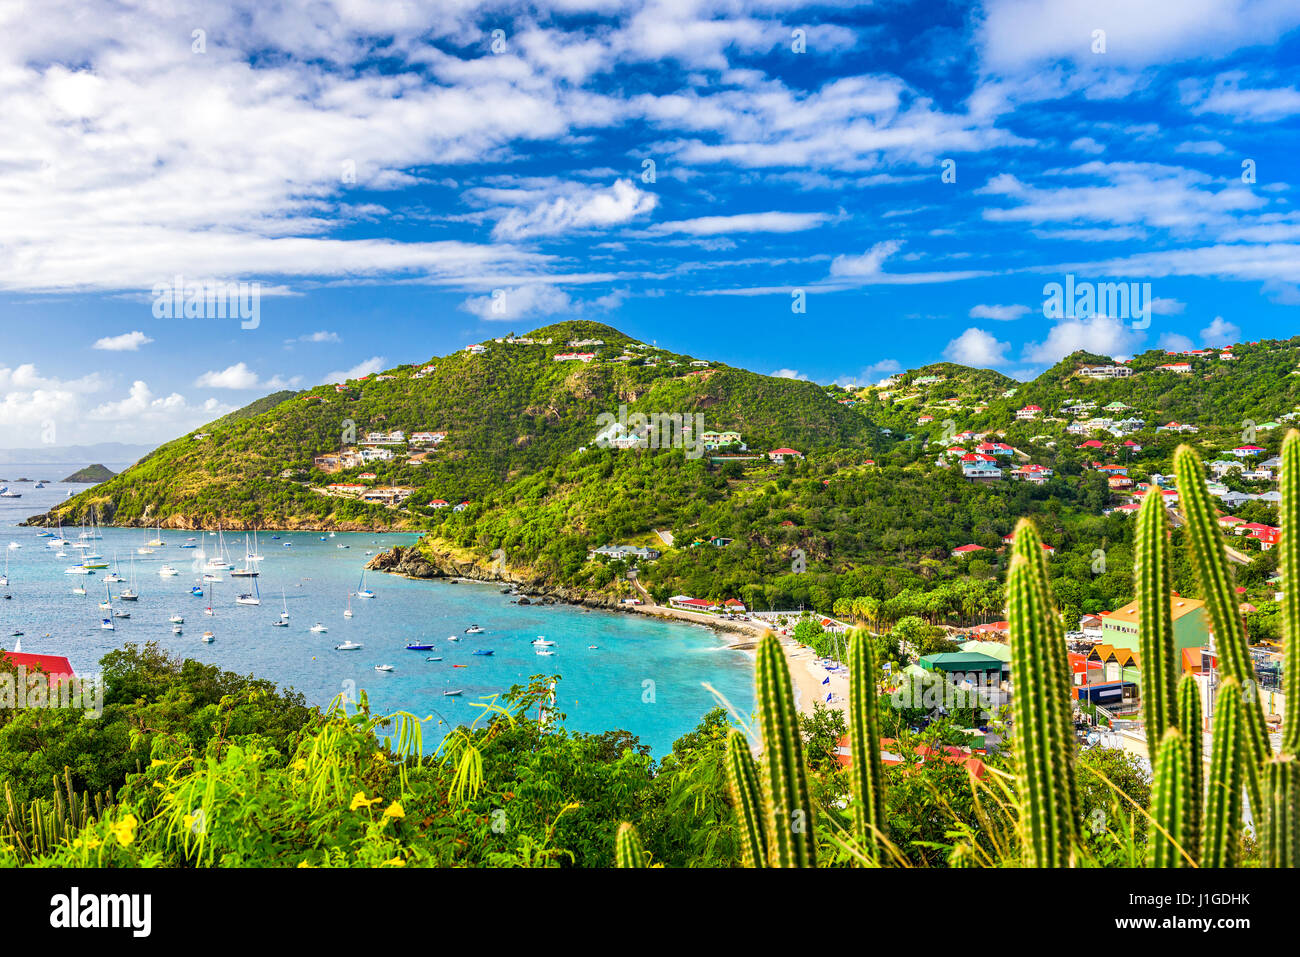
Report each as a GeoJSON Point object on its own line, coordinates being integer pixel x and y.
{"type": "Point", "coordinates": [300, 765]}
{"type": "Point", "coordinates": [395, 862]}
{"type": "Point", "coordinates": [394, 810]}
{"type": "Point", "coordinates": [360, 800]}
{"type": "Point", "coordinates": [124, 830]}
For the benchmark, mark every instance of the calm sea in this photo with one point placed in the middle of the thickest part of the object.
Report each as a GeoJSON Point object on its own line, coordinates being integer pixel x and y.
{"type": "Point", "coordinates": [644, 675]}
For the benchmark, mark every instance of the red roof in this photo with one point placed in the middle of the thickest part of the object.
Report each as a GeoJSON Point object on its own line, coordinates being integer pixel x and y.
{"type": "Point", "coordinates": [783, 452]}
{"type": "Point", "coordinates": [56, 666]}
{"type": "Point", "coordinates": [969, 548]}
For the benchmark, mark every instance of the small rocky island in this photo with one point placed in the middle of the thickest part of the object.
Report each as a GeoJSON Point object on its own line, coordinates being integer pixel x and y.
{"type": "Point", "coordinates": [90, 475]}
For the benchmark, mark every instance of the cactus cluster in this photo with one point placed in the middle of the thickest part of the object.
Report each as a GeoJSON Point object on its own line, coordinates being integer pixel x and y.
{"type": "Point", "coordinates": [1196, 817]}
{"type": "Point", "coordinates": [37, 827]}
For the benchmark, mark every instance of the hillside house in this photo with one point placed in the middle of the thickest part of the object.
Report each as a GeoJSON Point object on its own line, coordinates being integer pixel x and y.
{"type": "Point", "coordinates": [1028, 412]}
{"type": "Point", "coordinates": [574, 356]}
{"type": "Point", "coordinates": [781, 456]}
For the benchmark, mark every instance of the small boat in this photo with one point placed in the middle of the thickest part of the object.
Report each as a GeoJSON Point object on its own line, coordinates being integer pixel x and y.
{"type": "Point", "coordinates": [473, 630]}
{"type": "Point", "coordinates": [453, 637]}
{"type": "Point", "coordinates": [177, 630]}
{"type": "Point", "coordinates": [196, 591]}
{"type": "Point", "coordinates": [318, 628]}
{"type": "Point", "coordinates": [209, 577]}
{"type": "Point", "coordinates": [247, 600]}
{"type": "Point", "coordinates": [418, 646]}
{"type": "Point", "coordinates": [113, 578]}
{"type": "Point", "coordinates": [78, 591]}
{"type": "Point", "coordinates": [284, 615]}
{"type": "Point", "coordinates": [542, 642]}
{"type": "Point", "coordinates": [483, 651]}
{"type": "Point", "coordinates": [452, 694]}
{"type": "Point", "coordinates": [209, 637]}
{"type": "Point", "coordinates": [362, 590]}
{"type": "Point", "coordinates": [342, 546]}
{"type": "Point", "coordinates": [592, 647]}
{"type": "Point", "coordinates": [177, 619]}
{"type": "Point", "coordinates": [168, 572]}
{"type": "Point", "coordinates": [279, 623]}
{"type": "Point", "coordinates": [348, 646]}
{"type": "Point", "coordinates": [106, 624]}
{"type": "Point", "coordinates": [383, 667]}
{"type": "Point", "coordinates": [128, 595]}
{"type": "Point", "coordinates": [433, 659]}
{"type": "Point", "coordinates": [6, 493]}
{"type": "Point", "coordinates": [76, 570]}
{"type": "Point", "coordinates": [208, 611]}
{"type": "Point", "coordinates": [545, 651]}
{"type": "Point", "coordinates": [121, 614]}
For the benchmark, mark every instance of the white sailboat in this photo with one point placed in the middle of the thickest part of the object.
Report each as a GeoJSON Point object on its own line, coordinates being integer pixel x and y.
{"type": "Point", "coordinates": [347, 612]}
{"type": "Point", "coordinates": [362, 590]}
{"type": "Point", "coordinates": [254, 599]}
{"type": "Point", "coordinates": [284, 615]}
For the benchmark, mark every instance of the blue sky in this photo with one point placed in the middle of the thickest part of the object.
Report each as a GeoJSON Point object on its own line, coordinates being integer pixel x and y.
{"type": "Point", "coordinates": [383, 170]}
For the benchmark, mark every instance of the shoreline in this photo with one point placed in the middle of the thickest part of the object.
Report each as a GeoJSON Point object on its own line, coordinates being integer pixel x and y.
{"type": "Point", "coordinates": [806, 675]}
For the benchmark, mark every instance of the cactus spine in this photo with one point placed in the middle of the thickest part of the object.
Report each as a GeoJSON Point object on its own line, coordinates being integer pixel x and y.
{"type": "Point", "coordinates": [1280, 827]}
{"type": "Point", "coordinates": [742, 782]}
{"type": "Point", "coordinates": [789, 823]}
{"type": "Point", "coordinates": [867, 773]}
{"type": "Point", "coordinates": [1171, 804]}
{"type": "Point", "coordinates": [1045, 762]}
{"type": "Point", "coordinates": [1190, 725]}
{"type": "Point", "coordinates": [627, 847]}
{"type": "Point", "coordinates": [1288, 566]}
{"type": "Point", "coordinates": [1210, 562]}
{"type": "Point", "coordinates": [1221, 834]}
{"type": "Point", "coordinates": [1154, 584]}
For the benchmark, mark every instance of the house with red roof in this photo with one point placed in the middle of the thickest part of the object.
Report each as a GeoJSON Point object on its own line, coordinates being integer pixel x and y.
{"type": "Point", "coordinates": [779, 456]}
{"type": "Point", "coordinates": [686, 603]}
{"type": "Point", "coordinates": [1029, 412]}
{"type": "Point", "coordinates": [56, 666]}
{"type": "Point", "coordinates": [733, 605]}
{"type": "Point", "coordinates": [963, 550]}
{"type": "Point", "coordinates": [1090, 444]}
{"type": "Point", "coordinates": [891, 755]}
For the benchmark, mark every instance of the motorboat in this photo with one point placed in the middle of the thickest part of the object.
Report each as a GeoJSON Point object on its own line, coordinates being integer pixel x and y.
{"type": "Point", "coordinates": [77, 570]}
{"type": "Point", "coordinates": [348, 646]}
{"type": "Point", "coordinates": [177, 619]}
{"type": "Point", "coordinates": [106, 624]}
{"type": "Point", "coordinates": [177, 630]}
{"type": "Point", "coordinates": [545, 651]}
{"type": "Point", "coordinates": [247, 600]}
{"type": "Point", "coordinates": [167, 572]}
{"type": "Point", "coordinates": [452, 694]}
{"type": "Point", "coordinates": [209, 577]}
{"type": "Point", "coordinates": [209, 637]}
{"type": "Point", "coordinates": [318, 628]}
{"type": "Point", "coordinates": [438, 658]}
{"type": "Point", "coordinates": [279, 623]}
{"type": "Point", "coordinates": [483, 651]}
{"type": "Point", "coordinates": [196, 591]}
{"type": "Point", "coordinates": [592, 647]}
{"type": "Point", "coordinates": [383, 668]}
{"type": "Point", "coordinates": [473, 630]}
{"type": "Point", "coordinates": [542, 642]}
{"type": "Point", "coordinates": [418, 646]}
{"type": "Point", "coordinates": [453, 637]}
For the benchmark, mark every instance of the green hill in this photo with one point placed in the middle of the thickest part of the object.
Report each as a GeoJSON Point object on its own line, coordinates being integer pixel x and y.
{"type": "Point", "coordinates": [90, 475]}
{"type": "Point", "coordinates": [507, 412]}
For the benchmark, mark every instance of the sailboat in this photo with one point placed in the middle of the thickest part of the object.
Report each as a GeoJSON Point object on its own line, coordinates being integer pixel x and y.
{"type": "Point", "coordinates": [157, 542]}
{"type": "Point", "coordinates": [144, 549]}
{"type": "Point", "coordinates": [209, 611]}
{"type": "Point", "coordinates": [253, 599]}
{"type": "Point", "coordinates": [114, 576]}
{"type": "Point", "coordinates": [129, 593]}
{"type": "Point", "coordinates": [4, 579]}
{"type": "Point", "coordinates": [362, 590]}
{"type": "Point", "coordinates": [218, 561]}
{"type": "Point", "coordinates": [255, 555]}
{"type": "Point", "coordinates": [284, 615]}
{"type": "Point", "coordinates": [107, 604]}
{"type": "Point", "coordinates": [347, 612]}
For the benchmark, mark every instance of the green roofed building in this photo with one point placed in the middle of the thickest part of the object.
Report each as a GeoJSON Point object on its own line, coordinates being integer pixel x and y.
{"type": "Point", "coordinates": [966, 666]}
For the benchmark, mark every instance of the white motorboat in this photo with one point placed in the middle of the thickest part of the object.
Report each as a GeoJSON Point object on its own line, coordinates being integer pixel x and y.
{"type": "Point", "coordinates": [545, 651]}
{"type": "Point", "coordinates": [78, 590]}
{"type": "Point", "coordinates": [168, 572]}
{"type": "Point", "coordinates": [209, 637]}
{"type": "Point", "coordinates": [542, 642]}
{"type": "Point", "coordinates": [452, 694]}
{"type": "Point", "coordinates": [177, 630]}
{"type": "Point", "coordinates": [383, 667]}
{"type": "Point", "coordinates": [177, 619]}
{"type": "Point", "coordinates": [348, 646]}
{"type": "Point", "coordinates": [77, 570]}
{"type": "Point", "coordinates": [473, 630]}
{"type": "Point", "coordinates": [106, 624]}
{"type": "Point", "coordinates": [453, 637]}
{"type": "Point", "coordinates": [318, 628]}
{"type": "Point", "coordinates": [248, 600]}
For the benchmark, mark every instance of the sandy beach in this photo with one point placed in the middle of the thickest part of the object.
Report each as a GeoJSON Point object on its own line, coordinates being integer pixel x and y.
{"type": "Point", "coordinates": [806, 674]}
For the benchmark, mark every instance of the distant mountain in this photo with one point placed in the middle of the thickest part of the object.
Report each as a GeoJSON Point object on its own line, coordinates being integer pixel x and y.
{"type": "Point", "coordinates": [74, 454]}
{"type": "Point", "coordinates": [90, 475]}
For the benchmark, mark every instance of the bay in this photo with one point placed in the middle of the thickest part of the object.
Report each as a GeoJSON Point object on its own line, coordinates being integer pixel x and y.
{"type": "Point", "coordinates": [645, 675]}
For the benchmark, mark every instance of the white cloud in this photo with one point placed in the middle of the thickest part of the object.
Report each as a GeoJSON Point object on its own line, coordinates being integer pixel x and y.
{"type": "Point", "coordinates": [1086, 144]}
{"type": "Point", "coordinates": [368, 367]}
{"type": "Point", "coordinates": [238, 376]}
{"type": "Point", "coordinates": [126, 342]}
{"type": "Point", "coordinates": [789, 374]}
{"type": "Point", "coordinates": [871, 374]}
{"type": "Point", "coordinates": [1220, 332]}
{"type": "Point", "coordinates": [975, 347]}
{"type": "Point", "coordinates": [1167, 307]}
{"type": "Point", "coordinates": [867, 264]}
{"type": "Point", "coordinates": [537, 300]}
{"type": "Point", "coordinates": [999, 313]}
{"type": "Point", "coordinates": [322, 336]}
{"type": "Point", "coordinates": [1099, 334]}
{"type": "Point", "coordinates": [770, 222]}
{"type": "Point", "coordinates": [584, 208]}
{"type": "Point", "coordinates": [1175, 342]}
{"type": "Point", "coordinates": [1227, 98]}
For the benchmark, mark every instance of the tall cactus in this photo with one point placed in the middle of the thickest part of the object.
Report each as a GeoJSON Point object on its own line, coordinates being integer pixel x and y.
{"type": "Point", "coordinates": [1288, 566]}
{"type": "Point", "coordinates": [1045, 762]}
{"type": "Point", "coordinates": [627, 847]}
{"type": "Point", "coordinates": [1281, 829]}
{"type": "Point", "coordinates": [1221, 834]}
{"type": "Point", "coordinates": [742, 783]}
{"type": "Point", "coordinates": [867, 772]}
{"type": "Point", "coordinates": [788, 820]}
{"type": "Point", "coordinates": [1153, 582]}
{"type": "Point", "coordinates": [1171, 804]}
{"type": "Point", "coordinates": [1190, 724]}
{"type": "Point", "coordinates": [1210, 562]}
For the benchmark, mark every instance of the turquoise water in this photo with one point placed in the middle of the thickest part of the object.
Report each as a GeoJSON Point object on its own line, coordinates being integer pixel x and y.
{"type": "Point", "coordinates": [644, 676]}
